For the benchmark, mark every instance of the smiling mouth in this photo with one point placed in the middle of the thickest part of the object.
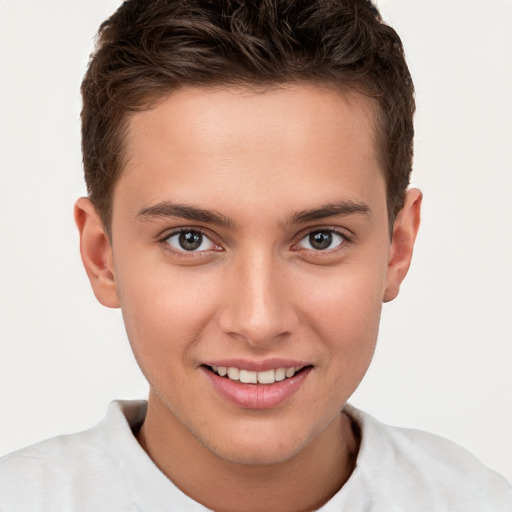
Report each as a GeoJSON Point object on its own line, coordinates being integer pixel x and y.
{"type": "Point", "coordinates": [251, 377]}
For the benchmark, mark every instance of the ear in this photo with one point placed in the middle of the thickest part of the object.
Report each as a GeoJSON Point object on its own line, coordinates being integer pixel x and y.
{"type": "Point", "coordinates": [405, 230]}
{"type": "Point", "coordinates": [96, 252]}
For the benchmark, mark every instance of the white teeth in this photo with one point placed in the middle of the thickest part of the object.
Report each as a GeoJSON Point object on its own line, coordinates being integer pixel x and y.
{"type": "Point", "coordinates": [280, 374]}
{"type": "Point", "coordinates": [250, 377]}
{"type": "Point", "coordinates": [233, 373]}
{"type": "Point", "coordinates": [267, 377]}
{"type": "Point", "coordinates": [290, 372]}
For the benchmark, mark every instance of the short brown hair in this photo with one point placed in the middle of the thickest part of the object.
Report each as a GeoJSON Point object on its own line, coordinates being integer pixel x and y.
{"type": "Point", "coordinates": [147, 49]}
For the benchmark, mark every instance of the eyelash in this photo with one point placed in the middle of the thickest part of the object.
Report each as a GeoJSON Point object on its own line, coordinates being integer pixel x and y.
{"type": "Point", "coordinates": [345, 240]}
{"type": "Point", "coordinates": [183, 253]}
{"type": "Point", "coordinates": [333, 234]}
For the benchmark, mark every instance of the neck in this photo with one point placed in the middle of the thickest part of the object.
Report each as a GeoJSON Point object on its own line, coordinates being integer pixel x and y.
{"type": "Point", "coordinates": [304, 482]}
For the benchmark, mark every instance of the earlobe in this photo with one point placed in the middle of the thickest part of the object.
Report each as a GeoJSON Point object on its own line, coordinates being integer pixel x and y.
{"type": "Point", "coordinates": [96, 252]}
{"type": "Point", "coordinates": [405, 230]}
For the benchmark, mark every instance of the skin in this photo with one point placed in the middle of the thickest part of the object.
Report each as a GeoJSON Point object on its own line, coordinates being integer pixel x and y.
{"type": "Point", "coordinates": [259, 289]}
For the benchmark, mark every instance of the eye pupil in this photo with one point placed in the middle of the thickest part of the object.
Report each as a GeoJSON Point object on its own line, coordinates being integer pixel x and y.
{"type": "Point", "coordinates": [190, 240]}
{"type": "Point", "coordinates": [320, 240]}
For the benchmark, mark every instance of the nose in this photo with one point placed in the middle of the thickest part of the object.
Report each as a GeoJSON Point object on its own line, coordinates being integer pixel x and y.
{"type": "Point", "coordinates": [258, 303]}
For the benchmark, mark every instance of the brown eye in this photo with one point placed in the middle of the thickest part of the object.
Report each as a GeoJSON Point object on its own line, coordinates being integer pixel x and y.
{"type": "Point", "coordinates": [190, 240]}
{"type": "Point", "coordinates": [321, 240]}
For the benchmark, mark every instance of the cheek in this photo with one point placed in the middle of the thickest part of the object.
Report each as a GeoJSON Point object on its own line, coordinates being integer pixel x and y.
{"type": "Point", "coordinates": [345, 313]}
{"type": "Point", "coordinates": [165, 311]}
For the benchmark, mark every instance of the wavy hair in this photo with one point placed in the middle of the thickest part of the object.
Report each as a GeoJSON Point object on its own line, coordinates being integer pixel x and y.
{"type": "Point", "coordinates": [147, 49]}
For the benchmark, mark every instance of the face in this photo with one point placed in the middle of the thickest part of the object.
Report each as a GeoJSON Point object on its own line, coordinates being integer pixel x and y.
{"type": "Point", "coordinates": [250, 237]}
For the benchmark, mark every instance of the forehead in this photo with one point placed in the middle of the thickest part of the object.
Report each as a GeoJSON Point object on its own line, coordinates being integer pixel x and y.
{"type": "Point", "coordinates": [290, 143]}
{"type": "Point", "coordinates": [219, 118]}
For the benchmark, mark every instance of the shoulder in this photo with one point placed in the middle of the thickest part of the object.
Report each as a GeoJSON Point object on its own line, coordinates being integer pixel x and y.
{"type": "Point", "coordinates": [67, 469]}
{"type": "Point", "coordinates": [426, 471]}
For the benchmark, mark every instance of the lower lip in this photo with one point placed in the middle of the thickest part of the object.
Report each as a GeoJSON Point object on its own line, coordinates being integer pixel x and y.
{"type": "Point", "coordinates": [257, 396]}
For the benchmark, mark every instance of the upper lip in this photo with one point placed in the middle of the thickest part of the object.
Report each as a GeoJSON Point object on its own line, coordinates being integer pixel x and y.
{"type": "Point", "coordinates": [257, 366]}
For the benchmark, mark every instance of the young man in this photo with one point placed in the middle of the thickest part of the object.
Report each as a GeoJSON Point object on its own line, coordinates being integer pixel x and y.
{"type": "Point", "coordinates": [247, 167]}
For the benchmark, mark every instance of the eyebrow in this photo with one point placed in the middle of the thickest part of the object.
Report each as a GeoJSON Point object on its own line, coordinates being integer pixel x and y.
{"type": "Point", "coordinates": [193, 213]}
{"type": "Point", "coordinates": [340, 208]}
{"type": "Point", "coordinates": [169, 209]}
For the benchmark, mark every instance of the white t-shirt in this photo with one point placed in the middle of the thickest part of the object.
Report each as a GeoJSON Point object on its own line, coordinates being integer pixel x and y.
{"type": "Point", "coordinates": [104, 469]}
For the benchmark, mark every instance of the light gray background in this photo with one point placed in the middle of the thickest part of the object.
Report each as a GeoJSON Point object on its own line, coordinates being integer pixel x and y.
{"type": "Point", "coordinates": [445, 355]}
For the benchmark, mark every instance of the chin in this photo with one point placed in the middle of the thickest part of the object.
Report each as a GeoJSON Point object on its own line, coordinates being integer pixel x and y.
{"type": "Point", "coordinates": [256, 456]}
{"type": "Point", "coordinates": [261, 449]}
